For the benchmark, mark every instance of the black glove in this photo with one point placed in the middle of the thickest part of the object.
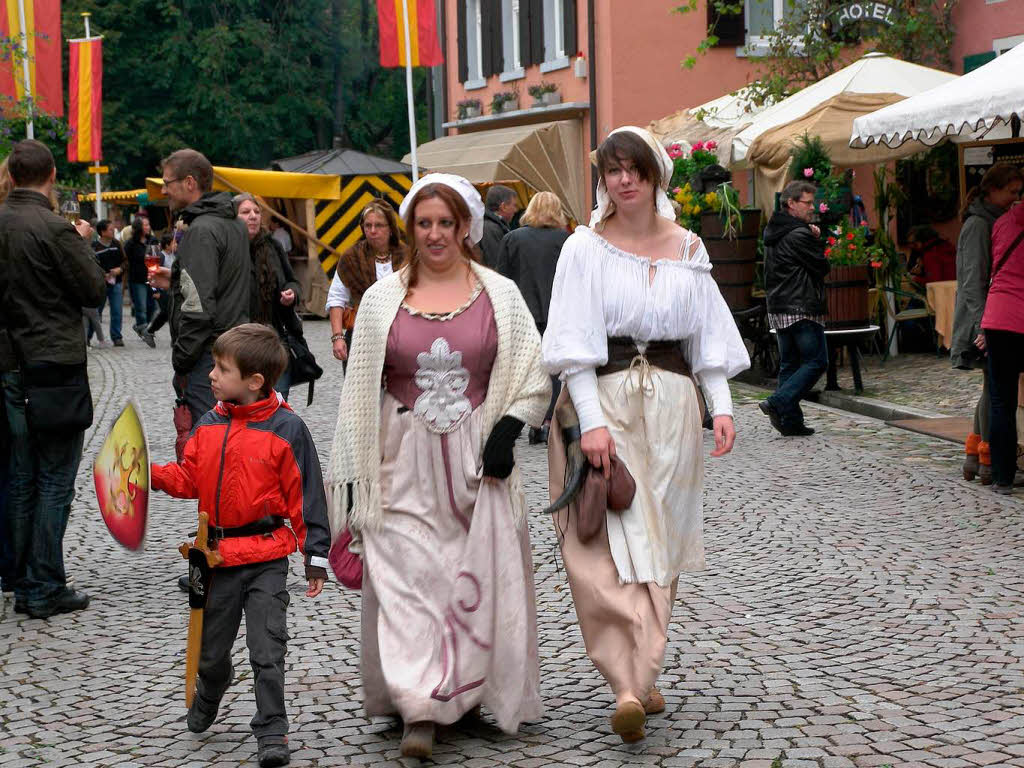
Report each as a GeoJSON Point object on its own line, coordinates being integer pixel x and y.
{"type": "Point", "coordinates": [498, 457]}
{"type": "Point", "coordinates": [316, 572]}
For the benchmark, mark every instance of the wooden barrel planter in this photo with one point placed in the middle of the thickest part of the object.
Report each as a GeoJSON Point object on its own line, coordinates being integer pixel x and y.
{"type": "Point", "coordinates": [846, 293]}
{"type": "Point", "coordinates": [733, 261]}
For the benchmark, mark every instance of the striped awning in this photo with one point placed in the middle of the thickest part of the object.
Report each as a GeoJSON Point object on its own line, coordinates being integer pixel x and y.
{"type": "Point", "coordinates": [122, 196]}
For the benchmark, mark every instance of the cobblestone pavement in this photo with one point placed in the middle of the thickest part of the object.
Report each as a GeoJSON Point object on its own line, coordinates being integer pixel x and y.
{"type": "Point", "coordinates": [861, 607]}
{"type": "Point", "coordinates": [922, 380]}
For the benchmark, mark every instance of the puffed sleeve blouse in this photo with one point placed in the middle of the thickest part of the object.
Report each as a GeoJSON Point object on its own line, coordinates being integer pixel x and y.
{"type": "Point", "coordinates": [601, 291]}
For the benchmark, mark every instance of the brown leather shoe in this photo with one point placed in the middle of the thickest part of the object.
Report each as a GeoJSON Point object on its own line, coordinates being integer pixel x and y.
{"type": "Point", "coordinates": [418, 740]}
{"type": "Point", "coordinates": [628, 721]}
{"type": "Point", "coordinates": [655, 702]}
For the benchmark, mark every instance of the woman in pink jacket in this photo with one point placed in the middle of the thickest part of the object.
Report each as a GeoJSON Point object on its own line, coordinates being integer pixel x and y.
{"type": "Point", "coordinates": [1003, 325]}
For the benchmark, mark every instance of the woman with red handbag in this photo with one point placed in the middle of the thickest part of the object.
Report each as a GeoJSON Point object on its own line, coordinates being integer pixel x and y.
{"type": "Point", "coordinates": [444, 373]}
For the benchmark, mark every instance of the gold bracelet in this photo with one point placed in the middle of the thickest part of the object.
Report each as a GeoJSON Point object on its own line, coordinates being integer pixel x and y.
{"type": "Point", "coordinates": [336, 336]}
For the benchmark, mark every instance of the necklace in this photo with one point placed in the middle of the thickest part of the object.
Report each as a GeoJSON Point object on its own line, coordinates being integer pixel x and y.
{"type": "Point", "coordinates": [382, 258]}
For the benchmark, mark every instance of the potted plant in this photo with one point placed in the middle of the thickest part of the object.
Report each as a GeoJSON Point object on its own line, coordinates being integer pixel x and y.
{"type": "Point", "coordinates": [853, 255]}
{"type": "Point", "coordinates": [811, 162]}
{"type": "Point", "coordinates": [504, 101]}
{"type": "Point", "coordinates": [545, 94]}
{"type": "Point", "coordinates": [468, 108]}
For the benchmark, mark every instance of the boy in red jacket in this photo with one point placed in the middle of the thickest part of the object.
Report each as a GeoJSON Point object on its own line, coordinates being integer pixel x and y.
{"type": "Point", "coordinates": [251, 463]}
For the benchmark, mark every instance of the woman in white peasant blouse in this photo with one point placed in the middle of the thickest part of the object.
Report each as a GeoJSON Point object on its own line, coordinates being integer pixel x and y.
{"type": "Point", "coordinates": [635, 317]}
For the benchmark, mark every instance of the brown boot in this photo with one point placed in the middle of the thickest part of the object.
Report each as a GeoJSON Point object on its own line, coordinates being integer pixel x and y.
{"type": "Point", "coordinates": [418, 740]}
{"type": "Point", "coordinates": [984, 463]}
{"type": "Point", "coordinates": [970, 468]}
{"type": "Point", "coordinates": [655, 702]}
{"type": "Point", "coordinates": [628, 721]}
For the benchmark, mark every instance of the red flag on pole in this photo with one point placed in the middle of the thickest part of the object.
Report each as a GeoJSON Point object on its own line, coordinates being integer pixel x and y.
{"type": "Point", "coordinates": [42, 27]}
{"type": "Point", "coordinates": [85, 100]}
{"type": "Point", "coordinates": [426, 51]}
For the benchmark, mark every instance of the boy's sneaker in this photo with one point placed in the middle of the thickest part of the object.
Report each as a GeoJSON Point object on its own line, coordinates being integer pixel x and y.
{"type": "Point", "coordinates": [273, 751]}
{"type": "Point", "coordinates": [201, 714]}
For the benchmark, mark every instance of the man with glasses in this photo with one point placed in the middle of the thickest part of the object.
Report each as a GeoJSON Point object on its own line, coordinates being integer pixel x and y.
{"type": "Point", "coordinates": [209, 280]}
{"type": "Point", "coordinates": [794, 279]}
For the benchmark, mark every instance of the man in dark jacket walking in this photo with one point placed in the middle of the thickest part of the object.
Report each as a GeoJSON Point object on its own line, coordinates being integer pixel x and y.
{"type": "Point", "coordinates": [794, 279]}
{"type": "Point", "coordinates": [47, 274]}
{"type": "Point", "coordinates": [209, 280]}
{"type": "Point", "coordinates": [502, 204]}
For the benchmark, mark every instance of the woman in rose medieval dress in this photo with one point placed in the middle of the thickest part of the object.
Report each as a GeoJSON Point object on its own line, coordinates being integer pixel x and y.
{"type": "Point", "coordinates": [444, 372]}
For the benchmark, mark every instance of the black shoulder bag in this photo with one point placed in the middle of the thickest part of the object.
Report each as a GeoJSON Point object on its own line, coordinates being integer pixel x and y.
{"type": "Point", "coordinates": [302, 363]}
{"type": "Point", "coordinates": [57, 397]}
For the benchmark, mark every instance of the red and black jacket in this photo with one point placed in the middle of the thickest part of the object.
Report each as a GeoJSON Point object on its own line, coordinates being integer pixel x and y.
{"type": "Point", "coordinates": [245, 462]}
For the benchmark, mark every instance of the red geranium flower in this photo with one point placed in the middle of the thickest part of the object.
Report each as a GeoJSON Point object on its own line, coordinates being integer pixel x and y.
{"type": "Point", "coordinates": [828, 252]}
{"type": "Point", "coordinates": [876, 264]}
{"type": "Point", "coordinates": [850, 235]}
{"type": "Point", "coordinates": [831, 241]}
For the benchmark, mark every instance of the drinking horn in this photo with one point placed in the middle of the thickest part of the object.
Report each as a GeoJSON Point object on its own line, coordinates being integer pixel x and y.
{"type": "Point", "coordinates": [575, 461]}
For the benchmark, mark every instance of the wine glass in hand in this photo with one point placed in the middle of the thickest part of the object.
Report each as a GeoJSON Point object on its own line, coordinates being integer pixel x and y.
{"type": "Point", "coordinates": [70, 210]}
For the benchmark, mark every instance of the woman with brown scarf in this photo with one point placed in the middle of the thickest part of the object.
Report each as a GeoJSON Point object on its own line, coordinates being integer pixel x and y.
{"type": "Point", "coordinates": [275, 291]}
{"type": "Point", "coordinates": [379, 252]}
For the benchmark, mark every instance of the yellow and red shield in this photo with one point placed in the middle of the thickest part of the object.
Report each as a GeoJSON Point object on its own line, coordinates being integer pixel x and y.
{"type": "Point", "coordinates": [121, 475]}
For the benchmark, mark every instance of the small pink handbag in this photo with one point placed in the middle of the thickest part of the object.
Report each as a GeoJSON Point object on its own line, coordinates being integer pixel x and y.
{"type": "Point", "coordinates": [347, 567]}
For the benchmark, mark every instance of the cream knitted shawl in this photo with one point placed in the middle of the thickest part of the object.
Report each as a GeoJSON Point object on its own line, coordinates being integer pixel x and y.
{"type": "Point", "coordinates": [518, 387]}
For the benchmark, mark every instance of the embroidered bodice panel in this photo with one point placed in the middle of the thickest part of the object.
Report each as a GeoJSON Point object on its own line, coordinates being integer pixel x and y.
{"type": "Point", "coordinates": [440, 368]}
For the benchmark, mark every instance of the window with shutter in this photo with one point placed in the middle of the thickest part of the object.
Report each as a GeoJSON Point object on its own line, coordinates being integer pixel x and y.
{"type": "Point", "coordinates": [471, 42]}
{"type": "Point", "coordinates": [491, 32]}
{"type": "Point", "coordinates": [511, 34]}
{"type": "Point", "coordinates": [554, 35]}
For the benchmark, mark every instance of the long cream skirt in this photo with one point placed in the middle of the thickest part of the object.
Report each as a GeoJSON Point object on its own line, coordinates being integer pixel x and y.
{"type": "Point", "coordinates": [623, 581]}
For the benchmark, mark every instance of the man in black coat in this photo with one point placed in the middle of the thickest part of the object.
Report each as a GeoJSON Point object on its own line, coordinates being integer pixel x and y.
{"type": "Point", "coordinates": [209, 280]}
{"type": "Point", "coordinates": [794, 279]}
{"type": "Point", "coordinates": [502, 204]}
{"type": "Point", "coordinates": [47, 274]}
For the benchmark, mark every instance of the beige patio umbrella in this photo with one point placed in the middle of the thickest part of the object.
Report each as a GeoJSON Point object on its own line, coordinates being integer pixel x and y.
{"type": "Point", "coordinates": [545, 156]}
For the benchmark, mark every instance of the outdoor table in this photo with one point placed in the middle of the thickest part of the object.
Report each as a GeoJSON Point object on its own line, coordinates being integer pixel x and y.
{"type": "Point", "coordinates": [941, 297]}
{"type": "Point", "coordinates": [848, 338]}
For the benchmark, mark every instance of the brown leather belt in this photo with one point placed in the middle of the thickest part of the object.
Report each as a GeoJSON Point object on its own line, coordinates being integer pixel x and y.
{"type": "Point", "coordinates": [666, 355]}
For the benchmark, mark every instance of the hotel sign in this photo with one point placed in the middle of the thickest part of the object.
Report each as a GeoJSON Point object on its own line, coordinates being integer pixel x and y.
{"type": "Point", "coordinates": [867, 11]}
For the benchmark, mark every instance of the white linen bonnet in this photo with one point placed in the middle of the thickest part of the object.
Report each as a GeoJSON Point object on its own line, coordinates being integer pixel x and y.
{"type": "Point", "coordinates": [466, 190]}
{"type": "Point", "coordinates": [605, 207]}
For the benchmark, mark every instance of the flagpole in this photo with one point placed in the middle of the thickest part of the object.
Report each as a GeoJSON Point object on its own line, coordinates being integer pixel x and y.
{"type": "Point", "coordinates": [30, 129]}
{"type": "Point", "coordinates": [100, 209]}
{"type": "Point", "coordinates": [408, 91]}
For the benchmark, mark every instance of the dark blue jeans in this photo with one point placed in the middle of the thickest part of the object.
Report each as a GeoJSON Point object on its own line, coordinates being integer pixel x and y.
{"type": "Point", "coordinates": [1004, 365]}
{"type": "Point", "coordinates": [42, 486]}
{"type": "Point", "coordinates": [115, 298]}
{"type": "Point", "coordinates": [143, 303]}
{"type": "Point", "coordinates": [803, 357]}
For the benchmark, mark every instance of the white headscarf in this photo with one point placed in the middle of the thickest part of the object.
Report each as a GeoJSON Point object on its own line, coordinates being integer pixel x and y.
{"type": "Point", "coordinates": [464, 188]}
{"type": "Point", "coordinates": [605, 207]}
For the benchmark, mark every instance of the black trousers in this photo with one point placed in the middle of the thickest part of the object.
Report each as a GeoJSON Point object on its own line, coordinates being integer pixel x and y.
{"type": "Point", "coordinates": [257, 590]}
{"type": "Point", "coordinates": [1005, 364]}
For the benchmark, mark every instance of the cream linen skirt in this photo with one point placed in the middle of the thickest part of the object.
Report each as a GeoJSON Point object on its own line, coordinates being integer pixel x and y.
{"type": "Point", "coordinates": [623, 581]}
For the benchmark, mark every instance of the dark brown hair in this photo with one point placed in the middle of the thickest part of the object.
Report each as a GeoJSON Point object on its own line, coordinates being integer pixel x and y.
{"type": "Point", "coordinates": [189, 162]}
{"type": "Point", "coordinates": [794, 191]}
{"type": "Point", "coordinates": [30, 163]}
{"type": "Point", "coordinates": [254, 348]}
{"type": "Point", "coordinates": [999, 176]}
{"type": "Point", "coordinates": [627, 147]}
{"type": "Point", "coordinates": [385, 210]}
{"type": "Point", "coordinates": [459, 210]}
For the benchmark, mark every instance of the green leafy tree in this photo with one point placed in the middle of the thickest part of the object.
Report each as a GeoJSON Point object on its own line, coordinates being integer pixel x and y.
{"type": "Point", "coordinates": [807, 45]}
{"type": "Point", "coordinates": [244, 81]}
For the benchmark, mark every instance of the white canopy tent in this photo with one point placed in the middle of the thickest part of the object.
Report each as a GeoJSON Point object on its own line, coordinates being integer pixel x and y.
{"type": "Point", "coordinates": [872, 73]}
{"type": "Point", "coordinates": [978, 101]}
{"type": "Point", "coordinates": [720, 120]}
